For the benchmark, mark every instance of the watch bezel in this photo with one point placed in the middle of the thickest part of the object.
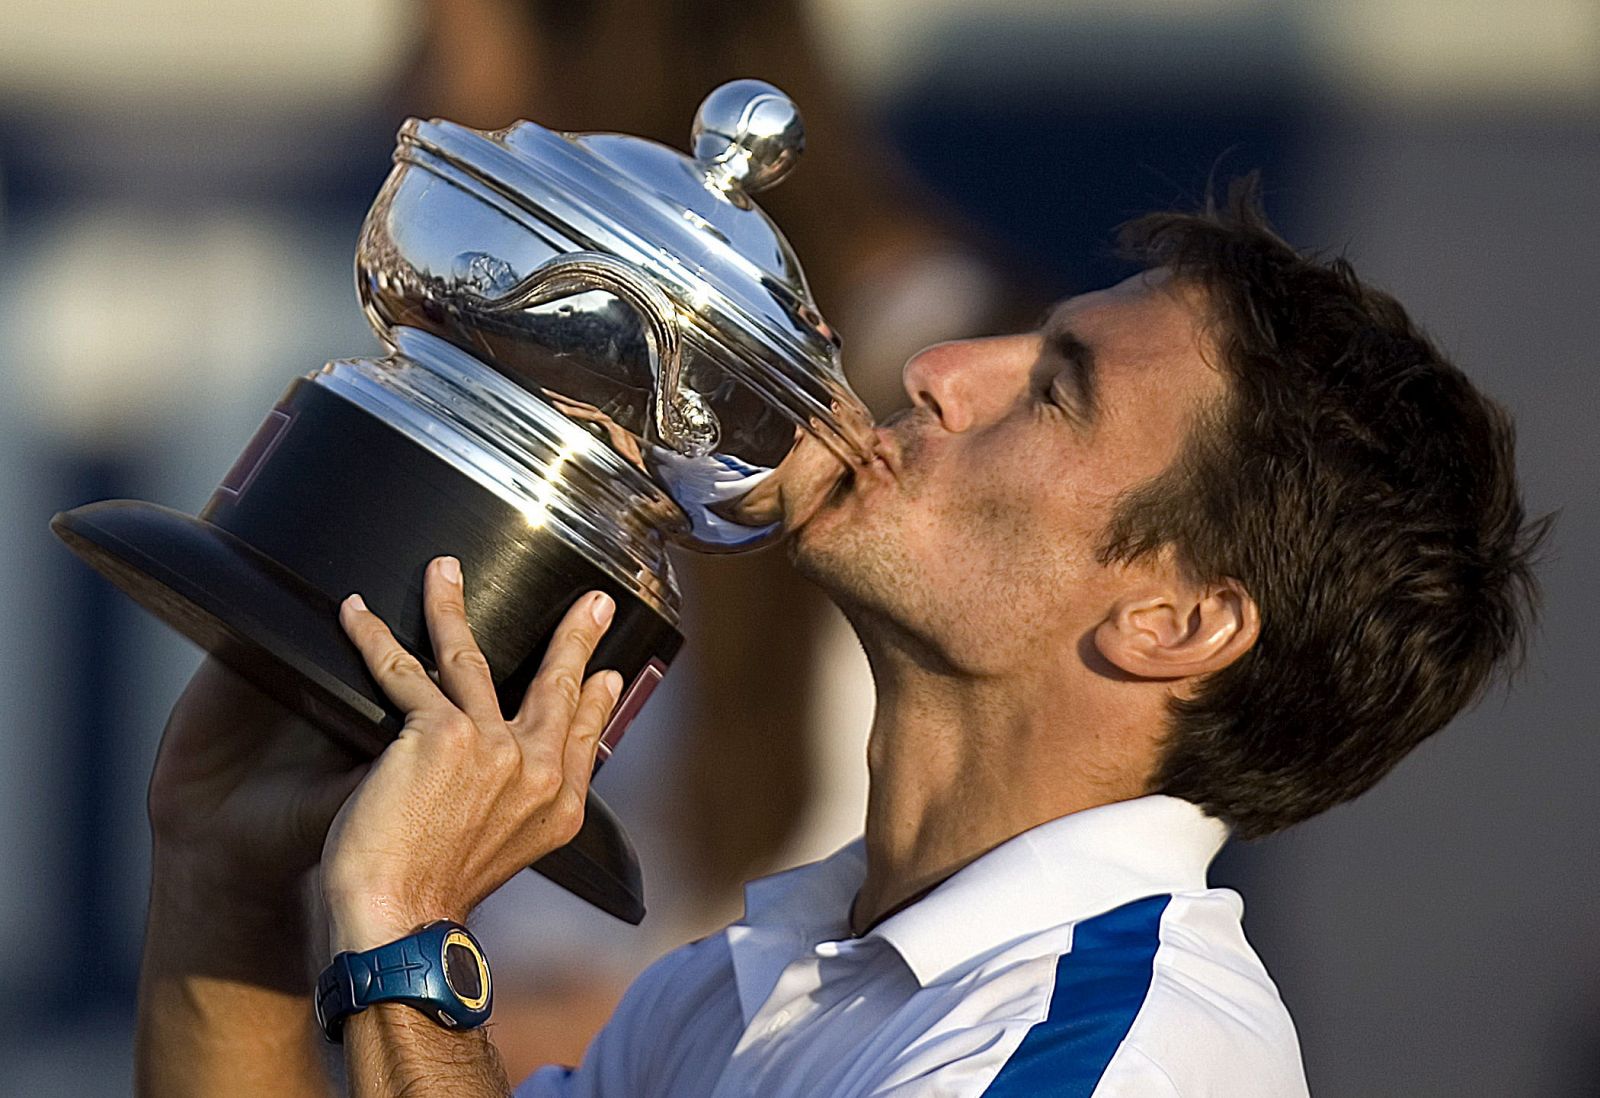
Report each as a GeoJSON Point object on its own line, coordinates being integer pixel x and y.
{"type": "Point", "coordinates": [458, 935]}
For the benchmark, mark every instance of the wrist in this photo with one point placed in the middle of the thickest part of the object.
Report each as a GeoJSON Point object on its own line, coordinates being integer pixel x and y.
{"type": "Point", "coordinates": [213, 895]}
{"type": "Point", "coordinates": [210, 876]}
{"type": "Point", "coordinates": [366, 920]}
{"type": "Point", "coordinates": [356, 929]}
{"type": "Point", "coordinates": [365, 911]}
{"type": "Point", "coordinates": [202, 923]}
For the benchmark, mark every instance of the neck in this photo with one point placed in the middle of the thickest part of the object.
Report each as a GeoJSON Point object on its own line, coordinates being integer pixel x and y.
{"type": "Point", "coordinates": [960, 764]}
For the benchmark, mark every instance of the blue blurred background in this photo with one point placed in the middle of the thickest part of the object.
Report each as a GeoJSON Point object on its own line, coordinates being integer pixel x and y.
{"type": "Point", "coordinates": [181, 182]}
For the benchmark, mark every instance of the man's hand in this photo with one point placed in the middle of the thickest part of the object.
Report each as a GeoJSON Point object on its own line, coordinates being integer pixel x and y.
{"type": "Point", "coordinates": [464, 798]}
{"type": "Point", "coordinates": [243, 789]}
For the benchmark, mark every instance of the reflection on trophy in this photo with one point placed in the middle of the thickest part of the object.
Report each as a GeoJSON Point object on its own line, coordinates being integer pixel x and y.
{"type": "Point", "coordinates": [596, 347]}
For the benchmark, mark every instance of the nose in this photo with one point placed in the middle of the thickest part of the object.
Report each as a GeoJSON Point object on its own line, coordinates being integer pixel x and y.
{"type": "Point", "coordinates": [966, 381]}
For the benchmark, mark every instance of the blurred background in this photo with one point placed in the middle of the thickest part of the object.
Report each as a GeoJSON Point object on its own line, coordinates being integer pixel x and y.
{"type": "Point", "coordinates": [181, 182]}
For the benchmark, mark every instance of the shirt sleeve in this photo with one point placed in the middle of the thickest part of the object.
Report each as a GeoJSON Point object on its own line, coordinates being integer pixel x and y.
{"type": "Point", "coordinates": [635, 1047]}
{"type": "Point", "coordinates": [548, 1082]}
{"type": "Point", "coordinates": [611, 1064]}
{"type": "Point", "coordinates": [610, 1067]}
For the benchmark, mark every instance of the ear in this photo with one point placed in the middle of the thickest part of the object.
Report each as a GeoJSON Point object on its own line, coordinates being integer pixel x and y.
{"type": "Point", "coordinates": [1179, 634]}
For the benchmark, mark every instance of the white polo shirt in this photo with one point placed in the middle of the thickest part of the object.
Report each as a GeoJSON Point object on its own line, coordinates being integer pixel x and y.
{"type": "Point", "coordinates": [1085, 957]}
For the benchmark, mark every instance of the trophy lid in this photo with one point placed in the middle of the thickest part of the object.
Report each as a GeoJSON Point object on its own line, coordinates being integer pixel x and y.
{"type": "Point", "coordinates": [687, 222]}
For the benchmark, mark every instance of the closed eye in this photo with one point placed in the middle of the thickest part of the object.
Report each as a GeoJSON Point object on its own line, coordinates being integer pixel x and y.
{"type": "Point", "coordinates": [1071, 371]}
{"type": "Point", "coordinates": [1056, 397]}
{"type": "Point", "coordinates": [1060, 394]}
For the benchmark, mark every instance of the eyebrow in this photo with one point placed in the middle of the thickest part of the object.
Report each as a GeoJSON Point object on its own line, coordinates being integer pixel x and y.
{"type": "Point", "coordinates": [1062, 342]}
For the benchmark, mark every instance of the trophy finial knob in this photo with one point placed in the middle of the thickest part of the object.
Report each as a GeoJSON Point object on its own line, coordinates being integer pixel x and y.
{"type": "Point", "coordinates": [747, 135]}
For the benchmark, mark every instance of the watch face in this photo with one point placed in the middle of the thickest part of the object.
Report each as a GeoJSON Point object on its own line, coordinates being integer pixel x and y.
{"type": "Point", "coordinates": [465, 970]}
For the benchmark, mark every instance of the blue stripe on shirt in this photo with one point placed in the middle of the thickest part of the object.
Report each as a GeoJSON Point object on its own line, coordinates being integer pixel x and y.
{"type": "Point", "coordinates": [1099, 989]}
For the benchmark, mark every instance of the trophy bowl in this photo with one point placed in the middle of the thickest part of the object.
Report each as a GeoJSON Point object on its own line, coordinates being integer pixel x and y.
{"type": "Point", "coordinates": [597, 347]}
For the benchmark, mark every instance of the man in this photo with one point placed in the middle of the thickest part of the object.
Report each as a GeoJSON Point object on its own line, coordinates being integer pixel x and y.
{"type": "Point", "coordinates": [1210, 551]}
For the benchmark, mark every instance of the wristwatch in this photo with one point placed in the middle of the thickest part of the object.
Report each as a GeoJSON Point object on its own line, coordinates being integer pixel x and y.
{"type": "Point", "coordinates": [439, 969]}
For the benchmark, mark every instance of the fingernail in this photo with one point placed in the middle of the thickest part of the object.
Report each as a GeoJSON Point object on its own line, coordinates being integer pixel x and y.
{"type": "Point", "coordinates": [601, 608]}
{"type": "Point", "coordinates": [356, 602]}
{"type": "Point", "coordinates": [613, 682]}
{"type": "Point", "coordinates": [450, 569]}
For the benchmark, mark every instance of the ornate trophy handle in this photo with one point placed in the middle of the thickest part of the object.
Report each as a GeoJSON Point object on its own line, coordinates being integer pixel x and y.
{"type": "Point", "coordinates": [683, 420]}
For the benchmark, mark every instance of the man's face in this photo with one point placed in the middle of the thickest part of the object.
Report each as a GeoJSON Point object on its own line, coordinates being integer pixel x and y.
{"type": "Point", "coordinates": [975, 534]}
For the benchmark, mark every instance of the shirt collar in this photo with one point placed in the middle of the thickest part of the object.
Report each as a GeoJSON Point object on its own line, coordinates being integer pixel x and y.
{"type": "Point", "coordinates": [787, 912]}
{"type": "Point", "coordinates": [1056, 873]}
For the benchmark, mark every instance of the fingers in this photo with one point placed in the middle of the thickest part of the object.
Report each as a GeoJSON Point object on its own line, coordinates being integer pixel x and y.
{"type": "Point", "coordinates": [553, 696]}
{"type": "Point", "coordinates": [562, 715]}
{"type": "Point", "coordinates": [399, 672]}
{"type": "Point", "coordinates": [464, 675]}
{"type": "Point", "coordinates": [595, 704]}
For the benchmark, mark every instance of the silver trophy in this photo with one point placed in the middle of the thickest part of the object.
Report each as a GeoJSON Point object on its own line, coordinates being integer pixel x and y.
{"type": "Point", "coordinates": [597, 347]}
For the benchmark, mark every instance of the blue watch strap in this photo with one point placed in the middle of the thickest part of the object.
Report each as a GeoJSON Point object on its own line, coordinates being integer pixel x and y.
{"type": "Point", "coordinates": [439, 970]}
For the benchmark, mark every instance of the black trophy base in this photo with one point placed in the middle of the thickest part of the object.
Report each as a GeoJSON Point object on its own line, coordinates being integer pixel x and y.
{"type": "Point", "coordinates": [372, 527]}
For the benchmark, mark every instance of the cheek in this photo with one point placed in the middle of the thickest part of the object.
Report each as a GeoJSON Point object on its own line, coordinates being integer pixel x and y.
{"type": "Point", "coordinates": [1043, 517]}
{"type": "Point", "coordinates": [1034, 535]}
{"type": "Point", "coordinates": [1017, 536]}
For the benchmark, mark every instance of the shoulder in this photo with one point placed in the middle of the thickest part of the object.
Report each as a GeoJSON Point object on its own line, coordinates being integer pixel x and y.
{"type": "Point", "coordinates": [1213, 1018]}
{"type": "Point", "coordinates": [1160, 996]}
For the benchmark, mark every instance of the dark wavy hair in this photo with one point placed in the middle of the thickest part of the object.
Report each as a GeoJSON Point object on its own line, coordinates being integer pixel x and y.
{"type": "Point", "coordinates": [1363, 492]}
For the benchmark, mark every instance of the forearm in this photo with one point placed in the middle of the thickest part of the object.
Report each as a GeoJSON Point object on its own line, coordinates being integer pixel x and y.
{"type": "Point", "coordinates": [225, 994]}
{"type": "Point", "coordinates": [392, 1050]}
